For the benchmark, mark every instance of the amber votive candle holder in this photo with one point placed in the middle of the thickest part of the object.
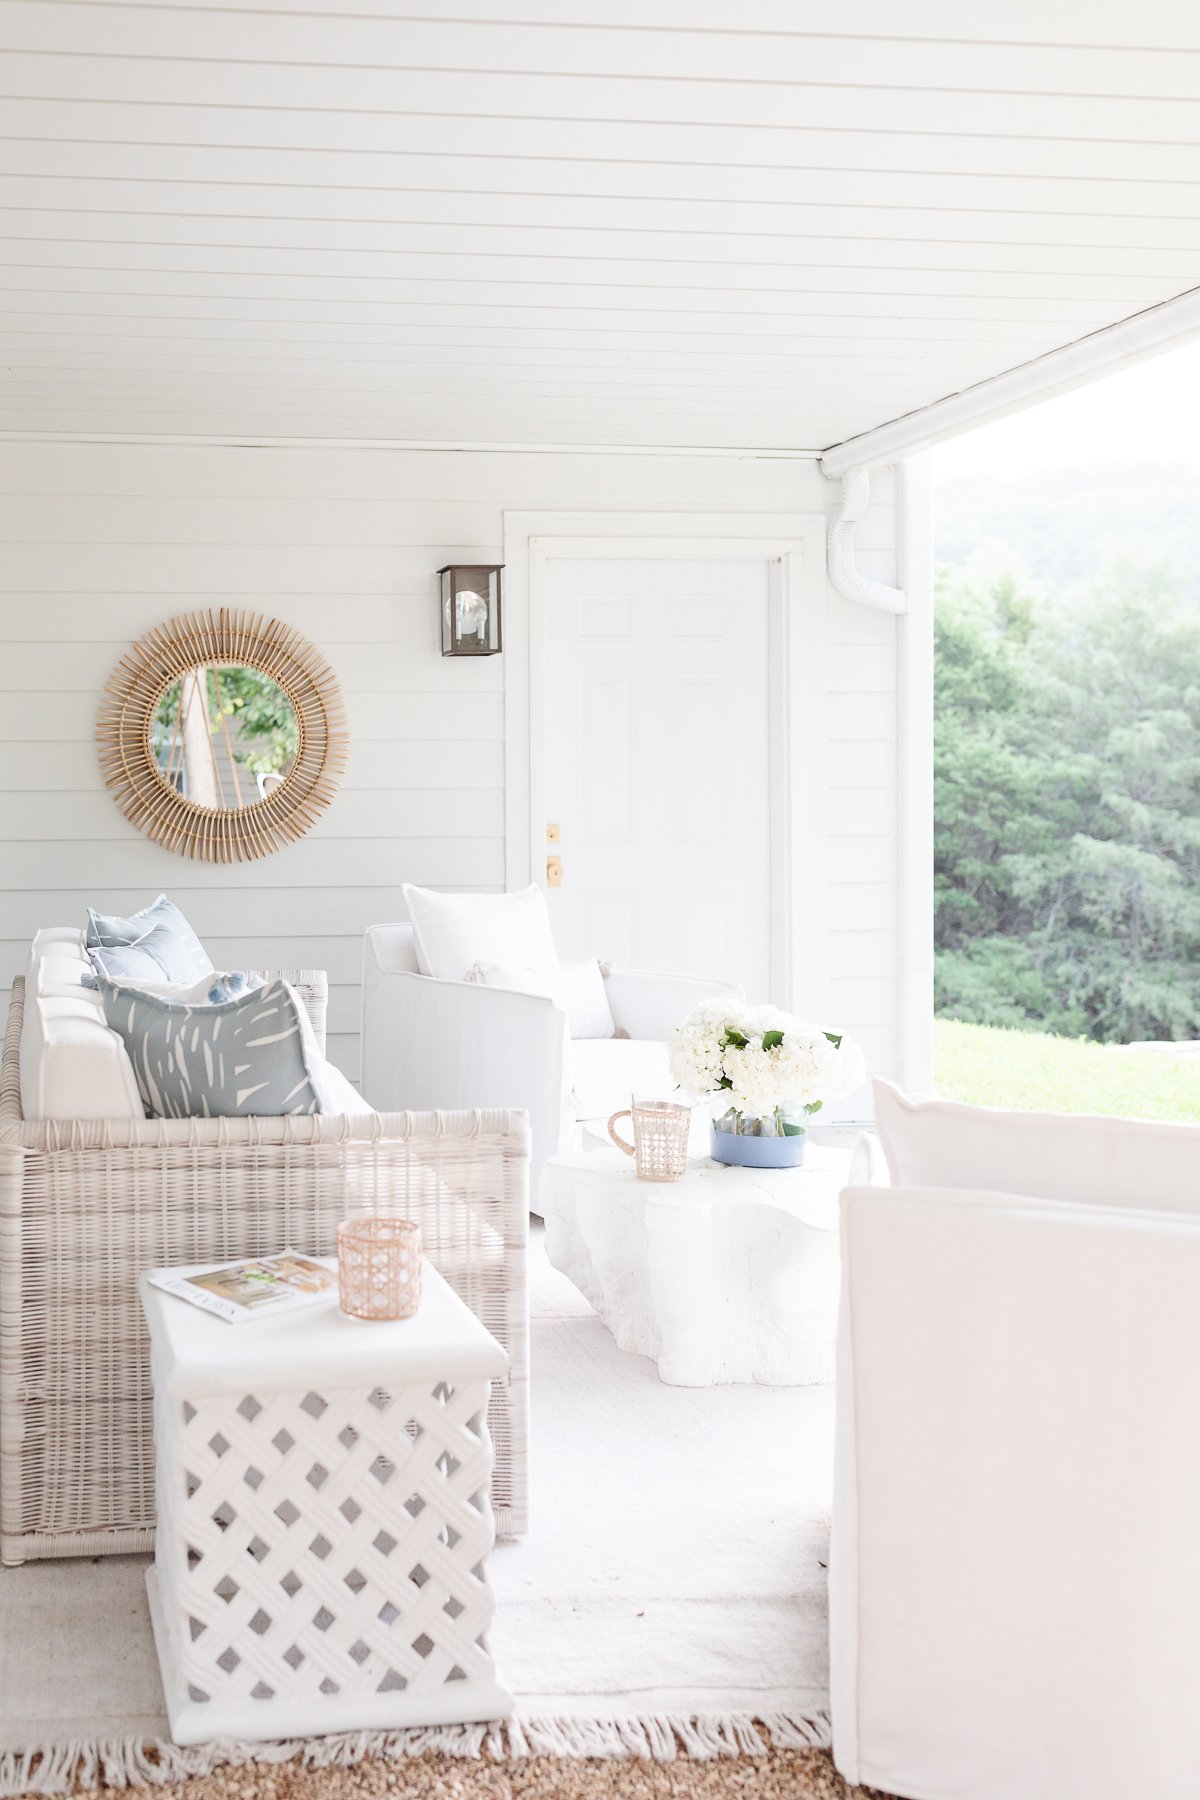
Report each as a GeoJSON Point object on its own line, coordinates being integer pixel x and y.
{"type": "Point", "coordinates": [379, 1267]}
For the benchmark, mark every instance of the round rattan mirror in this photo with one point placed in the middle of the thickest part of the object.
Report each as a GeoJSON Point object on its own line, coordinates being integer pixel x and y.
{"type": "Point", "coordinates": [222, 735]}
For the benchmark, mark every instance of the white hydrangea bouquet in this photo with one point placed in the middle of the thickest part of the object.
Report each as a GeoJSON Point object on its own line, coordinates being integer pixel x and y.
{"type": "Point", "coordinates": [771, 1069]}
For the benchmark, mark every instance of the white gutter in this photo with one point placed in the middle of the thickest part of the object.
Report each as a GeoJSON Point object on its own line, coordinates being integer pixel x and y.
{"type": "Point", "coordinates": [850, 583]}
{"type": "Point", "coordinates": [1147, 333]}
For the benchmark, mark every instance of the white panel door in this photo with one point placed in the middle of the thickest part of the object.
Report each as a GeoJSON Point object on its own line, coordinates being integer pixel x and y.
{"type": "Point", "coordinates": [656, 764]}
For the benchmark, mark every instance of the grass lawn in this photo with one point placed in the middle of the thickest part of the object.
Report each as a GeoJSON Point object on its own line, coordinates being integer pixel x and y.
{"type": "Point", "coordinates": [1032, 1070]}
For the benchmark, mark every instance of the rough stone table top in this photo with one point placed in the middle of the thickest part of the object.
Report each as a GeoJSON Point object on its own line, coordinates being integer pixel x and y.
{"type": "Point", "coordinates": [726, 1275]}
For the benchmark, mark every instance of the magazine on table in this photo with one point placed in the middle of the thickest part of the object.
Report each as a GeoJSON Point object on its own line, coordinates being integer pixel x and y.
{"type": "Point", "coordinates": [251, 1287]}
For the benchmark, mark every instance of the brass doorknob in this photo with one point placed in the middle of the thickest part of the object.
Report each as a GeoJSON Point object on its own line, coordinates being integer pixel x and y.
{"type": "Point", "coordinates": [554, 871]}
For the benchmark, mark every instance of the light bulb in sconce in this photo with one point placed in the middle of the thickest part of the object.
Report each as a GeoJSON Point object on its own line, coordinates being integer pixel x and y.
{"type": "Point", "coordinates": [472, 615]}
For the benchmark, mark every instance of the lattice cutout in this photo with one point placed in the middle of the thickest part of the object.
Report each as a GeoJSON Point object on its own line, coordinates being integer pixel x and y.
{"type": "Point", "coordinates": [311, 1545]}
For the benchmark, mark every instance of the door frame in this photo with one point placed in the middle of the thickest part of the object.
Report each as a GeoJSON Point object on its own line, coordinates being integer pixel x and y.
{"type": "Point", "coordinates": [793, 546]}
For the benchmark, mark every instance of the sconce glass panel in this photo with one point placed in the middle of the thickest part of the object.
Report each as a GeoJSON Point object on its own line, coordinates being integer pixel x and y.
{"type": "Point", "coordinates": [470, 609]}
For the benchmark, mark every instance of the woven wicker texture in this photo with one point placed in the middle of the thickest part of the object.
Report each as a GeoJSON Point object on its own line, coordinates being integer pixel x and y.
{"type": "Point", "coordinates": [379, 1267]}
{"type": "Point", "coordinates": [86, 1207]}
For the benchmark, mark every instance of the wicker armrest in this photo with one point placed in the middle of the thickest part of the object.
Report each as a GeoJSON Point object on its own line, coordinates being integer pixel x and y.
{"type": "Point", "coordinates": [312, 985]}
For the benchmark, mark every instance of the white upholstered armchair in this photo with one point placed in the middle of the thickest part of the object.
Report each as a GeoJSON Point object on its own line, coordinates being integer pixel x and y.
{"type": "Point", "coordinates": [436, 1042]}
{"type": "Point", "coordinates": [1015, 1569]}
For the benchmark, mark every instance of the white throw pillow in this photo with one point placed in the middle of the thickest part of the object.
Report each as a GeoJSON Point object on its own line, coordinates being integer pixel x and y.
{"type": "Point", "coordinates": [577, 987]}
{"type": "Point", "coordinates": [1052, 1156]}
{"type": "Point", "coordinates": [580, 991]}
{"type": "Point", "coordinates": [209, 990]}
{"type": "Point", "coordinates": [455, 931]}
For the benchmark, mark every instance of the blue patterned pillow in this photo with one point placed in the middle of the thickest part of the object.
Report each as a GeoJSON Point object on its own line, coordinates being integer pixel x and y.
{"type": "Point", "coordinates": [229, 985]}
{"type": "Point", "coordinates": [156, 944]}
{"type": "Point", "coordinates": [250, 1057]}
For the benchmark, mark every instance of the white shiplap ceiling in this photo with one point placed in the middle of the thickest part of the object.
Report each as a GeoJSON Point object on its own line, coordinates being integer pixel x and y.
{"type": "Point", "coordinates": [702, 223]}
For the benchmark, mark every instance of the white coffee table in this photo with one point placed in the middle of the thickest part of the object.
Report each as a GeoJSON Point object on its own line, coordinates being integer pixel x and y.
{"type": "Point", "coordinates": [726, 1275]}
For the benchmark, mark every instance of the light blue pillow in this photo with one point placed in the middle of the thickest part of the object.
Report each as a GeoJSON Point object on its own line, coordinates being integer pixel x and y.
{"type": "Point", "coordinates": [250, 1057]}
{"type": "Point", "coordinates": [156, 944]}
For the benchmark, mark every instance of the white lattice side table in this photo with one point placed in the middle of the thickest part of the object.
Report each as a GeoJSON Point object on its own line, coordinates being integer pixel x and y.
{"type": "Point", "coordinates": [324, 1519]}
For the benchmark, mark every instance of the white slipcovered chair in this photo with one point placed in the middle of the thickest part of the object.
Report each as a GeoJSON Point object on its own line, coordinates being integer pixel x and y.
{"type": "Point", "coordinates": [1015, 1569]}
{"type": "Point", "coordinates": [435, 1042]}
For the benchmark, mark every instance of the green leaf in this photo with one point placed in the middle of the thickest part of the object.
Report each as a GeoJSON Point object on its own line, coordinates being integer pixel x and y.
{"type": "Point", "coordinates": [772, 1039]}
{"type": "Point", "coordinates": [793, 1130]}
{"type": "Point", "coordinates": [733, 1040]}
{"type": "Point", "coordinates": [835, 1038]}
{"type": "Point", "coordinates": [724, 1082]}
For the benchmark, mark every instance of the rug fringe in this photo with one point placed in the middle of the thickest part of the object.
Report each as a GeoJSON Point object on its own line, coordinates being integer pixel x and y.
{"type": "Point", "coordinates": [659, 1737]}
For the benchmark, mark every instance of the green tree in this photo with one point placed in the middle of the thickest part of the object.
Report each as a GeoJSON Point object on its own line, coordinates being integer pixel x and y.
{"type": "Point", "coordinates": [258, 713]}
{"type": "Point", "coordinates": [1067, 802]}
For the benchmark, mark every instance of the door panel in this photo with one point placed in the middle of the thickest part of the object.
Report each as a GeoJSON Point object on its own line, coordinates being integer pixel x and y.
{"type": "Point", "coordinates": [657, 765]}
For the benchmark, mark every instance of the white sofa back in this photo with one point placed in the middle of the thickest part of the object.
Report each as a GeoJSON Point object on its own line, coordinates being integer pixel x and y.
{"type": "Point", "coordinates": [1057, 1156]}
{"type": "Point", "coordinates": [72, 1065]}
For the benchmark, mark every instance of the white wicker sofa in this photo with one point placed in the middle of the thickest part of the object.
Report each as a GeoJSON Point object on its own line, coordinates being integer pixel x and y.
{"type": "Point", "coordinates": [87, 1205]}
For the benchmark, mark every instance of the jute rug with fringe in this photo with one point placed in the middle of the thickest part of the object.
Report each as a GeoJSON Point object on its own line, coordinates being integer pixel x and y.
{"type": "Point", "coordinates": [775, 1775]}
{"type": "Point", "coordinates": [672, 1591]}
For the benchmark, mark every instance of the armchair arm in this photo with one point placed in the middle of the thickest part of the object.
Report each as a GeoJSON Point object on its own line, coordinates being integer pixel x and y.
{"type": "Point", "coordinates": [458, 1044]}
{"type": "Point", "coordinates": [868, 1166]}
{"type": "Point", "coordinates": [1018, 1384]}
{"type": "Point", "coordinates": [650, 1006]}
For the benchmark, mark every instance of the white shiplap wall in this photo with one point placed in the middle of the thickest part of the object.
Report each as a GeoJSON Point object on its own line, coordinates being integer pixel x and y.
{"type": "Point", "coordinates": [100, 542]}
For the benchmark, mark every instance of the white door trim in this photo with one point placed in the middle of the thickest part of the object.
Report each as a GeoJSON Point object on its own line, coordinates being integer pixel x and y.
{"type": "Point", "coordinates": [794, 546]}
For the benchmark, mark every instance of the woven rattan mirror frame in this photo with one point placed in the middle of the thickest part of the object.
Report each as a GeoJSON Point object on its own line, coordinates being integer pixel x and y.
{"type": "Point", "coordinates": [134, 691]}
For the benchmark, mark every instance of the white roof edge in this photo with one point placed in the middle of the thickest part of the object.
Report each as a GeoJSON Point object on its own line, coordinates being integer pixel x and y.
{"type": "Point", "coordinates": [1142, 335]}
{"type": "Point", "coordinates": [449, 446]}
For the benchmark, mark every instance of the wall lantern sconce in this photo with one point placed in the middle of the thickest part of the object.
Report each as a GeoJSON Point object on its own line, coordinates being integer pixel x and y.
{"type": "Point", "coordinates": [470, 609]}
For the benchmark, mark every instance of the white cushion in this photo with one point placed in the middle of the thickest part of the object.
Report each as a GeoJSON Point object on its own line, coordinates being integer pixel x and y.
{"type": "Point", "coordinates": [55, 940]}
{"type": "Point", "coordinates": [337, 1092]}
{"type": "Point", "coordinates": [577, 987]}
{"type": "Point", "coordinates": [208, 990]}
{"type": "Point", "coordinates": [455, 931]}
{"type": "Point", "coordinates": [1053, 1156]}
{"type": "Point", "coordinates": [72, 1065]}
{"type": "Point", "coordinates": [606, 1072]}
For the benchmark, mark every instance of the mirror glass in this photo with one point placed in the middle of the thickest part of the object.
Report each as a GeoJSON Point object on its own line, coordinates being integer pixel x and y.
{"type": "Point", "coordinates": [225, 736]}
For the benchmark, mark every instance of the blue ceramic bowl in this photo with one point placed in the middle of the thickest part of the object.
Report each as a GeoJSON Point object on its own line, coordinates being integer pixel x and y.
{"type": "Point", "coordinates": [758, 1152]}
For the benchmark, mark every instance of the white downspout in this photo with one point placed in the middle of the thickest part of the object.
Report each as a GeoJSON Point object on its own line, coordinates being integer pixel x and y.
{"type": "Point", "coordinates": [848, 580]}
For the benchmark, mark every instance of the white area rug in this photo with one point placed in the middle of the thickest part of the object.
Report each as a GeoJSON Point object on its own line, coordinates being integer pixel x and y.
{"type": "Point", "coordinates": [672, 1585]}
